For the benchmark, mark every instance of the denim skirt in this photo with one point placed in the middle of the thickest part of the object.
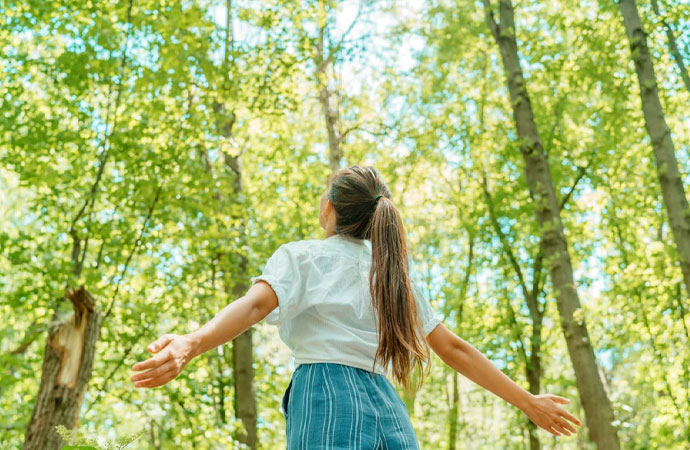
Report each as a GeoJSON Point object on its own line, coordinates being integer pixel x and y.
{"type": "Point", "coordinates": [335, 406]}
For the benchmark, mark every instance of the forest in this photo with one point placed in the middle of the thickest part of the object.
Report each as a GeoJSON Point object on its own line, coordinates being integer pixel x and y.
{"type": "Point", "coordinates": [154, 154]}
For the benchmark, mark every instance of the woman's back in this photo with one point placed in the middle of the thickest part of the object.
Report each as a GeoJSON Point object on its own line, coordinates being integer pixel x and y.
{"type": "Point", "coordinates": [325, 312]}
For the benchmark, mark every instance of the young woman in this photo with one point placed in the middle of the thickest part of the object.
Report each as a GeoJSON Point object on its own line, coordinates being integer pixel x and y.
{"type": "Point", "coordinates": [347, 309]}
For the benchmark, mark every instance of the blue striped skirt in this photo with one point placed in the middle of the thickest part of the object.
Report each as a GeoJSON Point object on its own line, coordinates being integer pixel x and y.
{"type": "Point", "coordinates": [334, 406]}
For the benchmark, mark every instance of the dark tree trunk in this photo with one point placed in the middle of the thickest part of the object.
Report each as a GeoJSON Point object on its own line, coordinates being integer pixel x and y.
{"type": "Point", "coordinates": [244, 400]}
{"type": "Point", "coordinates": [242, 347]}
{"type": "Point", "coordinates": [598, 409]}
{"type": "Point", "coordinates": [660, 134]}
{"type": "Point", "coordinates": [67, 366]}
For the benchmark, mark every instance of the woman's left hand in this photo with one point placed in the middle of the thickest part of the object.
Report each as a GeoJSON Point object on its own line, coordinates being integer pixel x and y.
{"type": "Point", "coordinates": [543, 411]}
{"type": "Point", "coordinates": [173, 352]}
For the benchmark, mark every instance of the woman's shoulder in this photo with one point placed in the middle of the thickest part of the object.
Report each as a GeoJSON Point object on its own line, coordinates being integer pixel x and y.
{"type": "Point", "coordinates": [315, 248]}
{"type": "Point", "coordinates": [333, 248]}
{"type": "Point", "coordinates": [302, 247]}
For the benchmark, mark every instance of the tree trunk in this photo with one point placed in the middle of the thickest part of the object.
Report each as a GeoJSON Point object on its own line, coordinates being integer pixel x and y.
{"type": "Point", "coordinates": [244, 400]}
{"type": "Point", "coordinates": [533, 373]}
{"type": "Point", "coordinates": [453, 414]}
{"type": "Point", "coordinates": [330, 111]}
{"type": "Point", "coordinates": [455, 399]}
{"type": "Point", "coordinates": [673, 46]}
{"type": "Point", "coordinates": [533, 366]}
{"type": "Point", "coordinates": [242, 346]}
{"type": "Point", "coordinates": [598, 411]}
{"type": "Point", "coordinates": [330, 116]}
{"type": "Point", "coordinates": [67, 365]}
{"type": "Point", "coordinates": [660, 134]}
{"type": "Point", "coordinates": [637, 292]}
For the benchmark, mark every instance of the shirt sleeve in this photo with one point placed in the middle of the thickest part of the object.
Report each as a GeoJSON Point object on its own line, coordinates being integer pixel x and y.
{"type": "Point", "coordinates": [282, 273]}
{"type": "Point", "coordinates": [429, 317]}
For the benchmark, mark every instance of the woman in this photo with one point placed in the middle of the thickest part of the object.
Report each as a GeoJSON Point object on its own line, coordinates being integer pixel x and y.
{"type": "Point", "coordinates": [347, 309]}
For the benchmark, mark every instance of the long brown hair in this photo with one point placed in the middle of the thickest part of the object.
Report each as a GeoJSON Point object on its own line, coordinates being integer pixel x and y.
{"type": "Point", "coordinates": [359, 214]}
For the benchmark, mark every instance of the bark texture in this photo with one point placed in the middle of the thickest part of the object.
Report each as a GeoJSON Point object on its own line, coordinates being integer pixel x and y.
{"type": "Point", "coordinates": [328, 106]}
{"type": "Point", "coordinates": [244, 400]}
{"type": "Point", "coordinates": [67, 365]}
{"type": "Point", "coordinates": [242, 345]}
{"type": "Point", "coordinates": [664, 153]}
{"type": "Point", "coordinates": [598, 411]}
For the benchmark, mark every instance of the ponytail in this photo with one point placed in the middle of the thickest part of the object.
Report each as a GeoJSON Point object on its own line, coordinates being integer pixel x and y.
{"type": "Point", "coordinates": [392, 297]}
{"type": "Point", "coordinates": [364, 210]}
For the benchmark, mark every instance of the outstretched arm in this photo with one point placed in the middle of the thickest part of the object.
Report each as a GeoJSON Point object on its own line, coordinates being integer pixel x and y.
{"type": "Point", "coordinates": [464, 358]}
{"type": "Point", "coordinates": [173, 352]}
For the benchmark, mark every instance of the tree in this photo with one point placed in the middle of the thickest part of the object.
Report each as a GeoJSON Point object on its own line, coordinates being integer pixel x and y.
{"type": "Point", "coordinates": [598, 409]}
{"type": "Point", "coordinates": [673, 45]}
{"type": "Point", "coordinates": [675, 201]}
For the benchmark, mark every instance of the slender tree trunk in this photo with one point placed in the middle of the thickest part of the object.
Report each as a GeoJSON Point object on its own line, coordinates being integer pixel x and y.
{"type": "Point", "coordinates": [66, 372]}
{"type": "Point", "coordinates": [242, 346]}
{"type": "Point", "coordinates": [330, 115]}
{"type": "Point", "coordinates": [533, 366]}
{"type": "Point", "coordinates": [453, 414]}
{"type": "Point", "coordinates": [686, 370]}
{"type": "Point", "coordinates": [660, 134]}
{"type": "Point", "coordinates": [533, 373]}
{"type": "Point", "coordinates": [455, 399]}
{"type": "Point", "coordinates": [673, 46]}
{"type": "Point", "coordinates": [637, 292]}
{"type": "Point", "coordinates": [598, 410]}
{"type": "Point", "coordinates": [244, 400]}
{"type": "Point", "coordinates": [242, 355]}
{"type": "Point", "coordinates": [329, 109]}
{"type": "Point", "coordinates": [243, 364]}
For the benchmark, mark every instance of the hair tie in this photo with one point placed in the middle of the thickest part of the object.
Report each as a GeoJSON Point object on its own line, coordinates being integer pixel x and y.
{"type": "Point", "coordinates": [377, 198]}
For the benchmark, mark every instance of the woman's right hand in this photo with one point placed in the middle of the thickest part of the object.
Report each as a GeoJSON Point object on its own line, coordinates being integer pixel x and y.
{"type": "Point", "coordinates": [172, 353]}
{"type": "Point", "coordinates": [544, 412]}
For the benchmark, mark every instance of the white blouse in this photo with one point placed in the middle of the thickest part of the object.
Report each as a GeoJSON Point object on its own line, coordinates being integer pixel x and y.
{"type": "Point", "coordinates": [324, 311]}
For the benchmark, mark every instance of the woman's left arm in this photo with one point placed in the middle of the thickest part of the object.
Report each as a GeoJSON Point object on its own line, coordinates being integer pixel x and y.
{"type": "Point", "coordinates": [173, 352]}
{"type": "Point", "coordinates": [542, 409]}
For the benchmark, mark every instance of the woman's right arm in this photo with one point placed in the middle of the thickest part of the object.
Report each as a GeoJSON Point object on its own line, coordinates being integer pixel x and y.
{"type": "Point", "coordinates": [173, 352]}
{"type": "Point", "coordinates": [464, 358]}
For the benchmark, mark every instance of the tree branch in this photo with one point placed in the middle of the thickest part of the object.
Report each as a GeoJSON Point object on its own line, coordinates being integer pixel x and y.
{"type": "Point", "coordinates": [135, 247]}
{"type": "Point", "coordinates": [502, 237]}
{"type": "Point", "coordinates": [490, 19]}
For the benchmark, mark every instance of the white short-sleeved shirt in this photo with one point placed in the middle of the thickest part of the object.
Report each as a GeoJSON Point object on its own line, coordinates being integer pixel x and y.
{"type": "Point", "coordinates": [324, 311]}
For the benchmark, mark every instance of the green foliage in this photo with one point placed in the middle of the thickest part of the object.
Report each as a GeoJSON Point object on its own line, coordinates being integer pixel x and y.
{"type": "Point", "coordinates": [78, 440]}
{"type": "Point", "coordinates": [118, 125]}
